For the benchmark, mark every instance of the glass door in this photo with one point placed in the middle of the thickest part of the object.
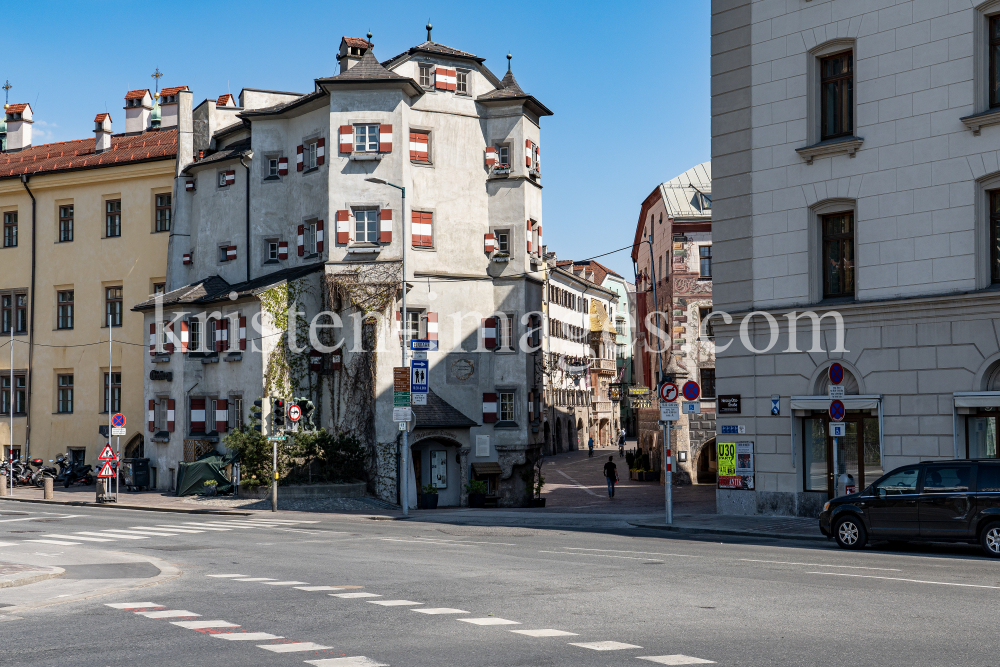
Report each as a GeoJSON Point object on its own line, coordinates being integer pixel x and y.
{"type": "Point", "coordinates": [981, 436]}
{"type": "Point", "coordinates": [858, 454]}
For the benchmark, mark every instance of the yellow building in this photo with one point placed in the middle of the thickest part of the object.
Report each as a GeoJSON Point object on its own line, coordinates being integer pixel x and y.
{"type": "Point", "coordinates": [85, 228]}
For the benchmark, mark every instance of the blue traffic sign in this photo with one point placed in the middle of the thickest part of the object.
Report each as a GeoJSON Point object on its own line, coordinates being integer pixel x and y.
{"type": "Point", "coordinates": [836, 373]}
{"type": "Point", "coordinates": [837, 411]}
{"type": "Point", "coordinates": [691, 390]}
{"type": "Point", "coordinates": [418, 376]}
{"type": "Point", "coordinates": [423, 344]}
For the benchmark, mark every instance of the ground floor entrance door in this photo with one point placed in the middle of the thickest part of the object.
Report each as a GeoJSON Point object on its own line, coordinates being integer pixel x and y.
{"type": "Point", "coordinates": [858, 454]}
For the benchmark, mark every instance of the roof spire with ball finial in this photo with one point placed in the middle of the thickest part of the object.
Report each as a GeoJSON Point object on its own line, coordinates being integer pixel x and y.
{"type": "Point", "coordinates": [429, 27]}
{"type": "Point", "coordinates": [369, 36]}
{"type": "Point", "coordinates": [508, 60]}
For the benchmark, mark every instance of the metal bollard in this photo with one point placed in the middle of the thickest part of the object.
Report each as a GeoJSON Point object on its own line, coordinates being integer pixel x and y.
{"type": "Point", "coordinates": [47, 488]}
{"type": "Point", "coordinates": [4, 489]}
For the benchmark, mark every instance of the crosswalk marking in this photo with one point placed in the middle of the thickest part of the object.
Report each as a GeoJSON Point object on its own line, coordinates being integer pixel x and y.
{"type": "Point", "coordinates": [225, 576]}
{"type": "Point", "coordinates": [439, 610]}
{"type": "Point", "coordinates": [545, 633]}
{"type": "Point", "coordinates": [168, 613]}
{"type": "Point", "coordinates": [489, 621]}
{"type": "Point", "coordinates": [393, 603]}
{"type": "Point", "coordinates": [132, 605]}
{"type": "Point", "coordinates": [172, 530]}
{"type": "Point", "coordinates": [293, 647]}
{"type": "Point", "coordinates": [354, 661]}
{"type": "Point", "coordinates": [246, 636]}
{"type": "Point", "coordinates": [61, 543]}
{"type": "Point", "coordinates": [350, 596]}
{"type": "Point", "coordinates": [121, 537]}
{"type": "Point", "coordinates": [202, 625]}
{"type": "Point", "coordinates": [254, 579]}
{"type": "Point", "coordinates": [8, 544]}
{"type": "Point", "coordinates": [677, 659]}
{"type": "Point", "coordinates": [157, 533]}
{"type": "Point", "coordinates": [320, 588]}
{"type": "Point", "coordinates": [78, 537]}
{"type": "Point", "coordinates": [284, 583]}
{"type": "Point", "coordinates": [604, 646]}
{"type": "Point", "coordinates": [202, 526]}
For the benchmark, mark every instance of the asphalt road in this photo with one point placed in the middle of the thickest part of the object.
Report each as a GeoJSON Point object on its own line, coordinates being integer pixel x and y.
{"type": "Point", "coordinates": [624, 594]}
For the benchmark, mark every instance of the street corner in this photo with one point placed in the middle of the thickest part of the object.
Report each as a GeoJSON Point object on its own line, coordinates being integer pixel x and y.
{"type": "Point", "coordinates": [21, 574]}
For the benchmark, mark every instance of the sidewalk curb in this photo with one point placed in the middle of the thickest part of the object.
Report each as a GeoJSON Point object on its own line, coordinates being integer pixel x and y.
{"type": "Point", "coordinates": [31, 578]}
{"type": "Point", "coordinates": [80, 503]}
{"type": "Point", "coordinates": [723, 531]}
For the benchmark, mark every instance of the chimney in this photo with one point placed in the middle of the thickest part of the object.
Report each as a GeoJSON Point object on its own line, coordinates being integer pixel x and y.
{"type": "Point", "coordinates": [185, 129]}
{"type": "Point", "coordinates": [138, 104]}
{"type": "Point", "coordinates": [18, 127]}
{"type": "Point", "coordinates": [102, 130]}
{"type": "Point", "coordinates": [169, 104]}
{"type": "Point", "coordinates": [351, 50]}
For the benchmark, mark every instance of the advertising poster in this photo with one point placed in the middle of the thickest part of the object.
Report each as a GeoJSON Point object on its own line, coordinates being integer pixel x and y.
{"type": "Point", "coordinates": [736, 469]}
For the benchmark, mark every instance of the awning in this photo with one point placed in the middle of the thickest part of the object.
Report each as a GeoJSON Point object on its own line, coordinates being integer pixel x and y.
{"type": "Point", "coordinates": [486, 468]}
{"type": "Point", "coordinates": [854, 402]}
{"type": "Point", "coordinates": [977, 399]}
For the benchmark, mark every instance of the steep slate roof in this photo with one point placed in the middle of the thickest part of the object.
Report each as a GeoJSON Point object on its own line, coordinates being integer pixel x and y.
{"type": "Point", "coordinates": [508, 88]}
{"type": "Point", "coordinates": [679, 193]}
{"type": "Point", "coordinates": [230, 152]}
{"type": "Point", "coordinates": [81, 154]}
{"type": "Point", "coordinates": [214, 289]}
{"type": "Point", "coordinates": [433, 47]}
{"type": "Point", "coordinates": [438, 413]}
{"type": "Point", "coordinates": [230, 129]}
{"type": "Point", "coordinates": [367, 68]}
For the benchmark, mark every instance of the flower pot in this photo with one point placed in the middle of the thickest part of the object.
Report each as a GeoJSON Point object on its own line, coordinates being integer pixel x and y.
{"type": "Point", "coordinates": [209, 490]}
{"type": "Point", "coordinates": [477, 500]}
{"type": "Point", "coordinates": [538, 502]}
{"type": "Point", "coordinates": [428, 501]}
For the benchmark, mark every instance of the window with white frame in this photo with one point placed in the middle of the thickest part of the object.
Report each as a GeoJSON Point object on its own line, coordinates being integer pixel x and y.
{"type": "Point", "coordinates": [309, 237]}
{"type": "Point", "coordinates": [194, 335]}
{"type": "Point", "coordinates": [366, 138]}
{"type": "Point", "coordinates": [272, 167]}
{"type": "Point", "coordinates": [272, 251]}
{"type": "Point", "coordinates": [426, 75]}
{"type": "Point", "coordinates": [309, 151]}
{"type": "Point", "coordinates": [503, 155]}
{"type": "Point", "coordinates": [366, 225]}
{"type": "Point", "coordinates": [506, 331]}
{"type": "Point", "coordinates": [413, 325]}
{"type": "Point", "coordinates": [462, 82]}
{"type": "Point", "coordinates": [503, 240]}
{"type": "Point", "coordinates": [235, 413]}
{"type": "Point", "coordinates": [506, 406]}
{"type": "Point", "coordinates": [222, 179]}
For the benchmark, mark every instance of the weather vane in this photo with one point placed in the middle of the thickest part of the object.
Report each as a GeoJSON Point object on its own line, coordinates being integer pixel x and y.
{"type": "Point", "coordinates": [157, 75]}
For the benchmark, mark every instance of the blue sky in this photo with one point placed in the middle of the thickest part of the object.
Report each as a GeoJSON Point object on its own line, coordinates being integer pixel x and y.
{"type": "Point", "coordinates": [628, 81]}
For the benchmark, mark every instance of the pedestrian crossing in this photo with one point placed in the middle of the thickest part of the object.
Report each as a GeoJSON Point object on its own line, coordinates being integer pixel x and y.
{"type": "Point", "coordinates": [108, 535]}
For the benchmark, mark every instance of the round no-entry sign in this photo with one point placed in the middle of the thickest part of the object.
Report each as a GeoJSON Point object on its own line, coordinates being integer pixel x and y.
{"type": "Point", "coordinates": [294, 412]}
{"type": "Point", "coordinates": [691, 390]}
{"type": "Point", "coordinates": [118, 420]}
{"type": "Point", "coordinates": [668, 392]}
{"type": "Point", "coordinates": [836, 373]}
{"type": "Point", "coordinates": [837, 411]}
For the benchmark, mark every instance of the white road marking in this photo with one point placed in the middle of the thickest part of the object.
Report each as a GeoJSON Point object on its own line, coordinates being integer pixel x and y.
{"type": "Point", "coordinates": [571, 553]}
{"type": "Point", "coordinates": [44, 516]}
{"type": "Point", "coordinates": [577, 483]}
{"type": "Point", "coordinates": [852, 567]}
{"type": "Point", "coordinates": [320, 588]}
{"type": "Point", "coordinates": [280, 521]}
{"type": "Point", "coordinates": [354, 661]}
{"type": "Point", "coordinates": [8, 544]}
{"type": "Point", "coordinates": [225, 576]}
{"type": "Point", "coordinates": [545, 633]}
{"type": "Point", "coordinates": [351, 596]}
{"type": "Point", "coordinates": [437, 542]}
{"type": "Point", "coordinates": [293, 647]}
{"type": "Point", "coordinates": [620, 551]}
{"type": "Point", "coordinates": [604, 646]}
{"type": "Point", "coordinates": [912, 581]}
{"type": "Point", "coordinates": [77, 537]}
{"type": "Point", "coordinates": [200, 526]}
{"type": "Point", "coordinates": [172, 530]}
{"type": "Point", "coordinates": [116, 531]}
{"type": "Point", "coordinates": [201, 625]}
{"type": "Point", "coordinates": [246, 636]}
{"type": "Point", "coordinates": [490, 620]}
{"type": "Point", "coordinates": [132, 605]}
{"type": "Point", "coordinates": [441, 540]}
{"type": "Point", "coordinates": [284, 583]}
{"type": "Point", "coordinates": [121, 537]}
{"type": "Point", "coordinates": [393, 603]}
{"type": "Point", "coordinates": [60, 543]}
{"type": "Point", "coordinates": [439, 610]}
{"type": "Point", "coordinates": [254, 579]}
{"type": "Point", "coordinates": [168, 613]}
{"type": "Point", "coordinates": [677, 659]}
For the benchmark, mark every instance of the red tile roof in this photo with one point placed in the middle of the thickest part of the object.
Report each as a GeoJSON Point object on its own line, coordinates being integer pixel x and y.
{"type": "Point", "coordinates": [80, 154]}
{"type": "Point", "coordinates": [17, 108]}
{"type": "Point", "coordinates": [137, 94]}
{"type": "Point", "coordinates": [357, 42]}
{"type": "Point", "coordinates": [173, 91]}
{"type": "Point", "coordinates": [101, 116]}
{"type": "Point", "coordinates": [223, 100]}
{"type": "Point", "coordinates": [600, 271]}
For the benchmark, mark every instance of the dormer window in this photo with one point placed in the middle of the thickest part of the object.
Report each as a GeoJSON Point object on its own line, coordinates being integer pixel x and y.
{"type": "Point", "coordinates": [426, 76]}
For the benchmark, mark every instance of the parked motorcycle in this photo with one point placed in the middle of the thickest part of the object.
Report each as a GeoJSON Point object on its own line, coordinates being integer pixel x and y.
{"type": "Point", "coordinates": [79, 473]}
{"type": "Point", "coordinates": [39, 476]}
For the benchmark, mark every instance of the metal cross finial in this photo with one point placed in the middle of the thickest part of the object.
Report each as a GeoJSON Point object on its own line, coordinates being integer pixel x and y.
{"type": "Point", "coordinates": [156, 75]}
{"type": "Point", "coordinates": [6, 90]}
{"type": "Point", "coordinates": [429, 26]}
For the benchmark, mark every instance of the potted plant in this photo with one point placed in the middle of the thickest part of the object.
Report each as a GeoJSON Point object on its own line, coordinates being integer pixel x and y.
{"type": "Point", "coordinates": [211, 486]}
{"type": "Point", "coordinates": [477, 493]}
{"type": "Point", "coordinates": [501, 170]}
{"type": "Point", "coordinates": [429, 497]}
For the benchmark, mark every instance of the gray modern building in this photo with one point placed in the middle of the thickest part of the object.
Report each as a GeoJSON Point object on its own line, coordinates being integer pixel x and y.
{"type": "Point", "coordinates": [857, 176]}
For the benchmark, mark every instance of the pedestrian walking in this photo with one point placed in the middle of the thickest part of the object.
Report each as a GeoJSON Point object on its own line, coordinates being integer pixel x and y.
{"type": "Point", "coordinates": [621, 445]}
{"type": "Point", "coordinates": [611, 473]}
{"type": "Point", "coordinates": [590, 446]}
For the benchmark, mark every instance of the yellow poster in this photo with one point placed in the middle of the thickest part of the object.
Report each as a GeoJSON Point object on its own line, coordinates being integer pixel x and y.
{"type": "Point", "coordinates": [727, 459]}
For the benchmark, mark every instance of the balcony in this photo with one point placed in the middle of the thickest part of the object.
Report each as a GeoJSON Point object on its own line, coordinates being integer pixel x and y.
{"type": "Point", "coordinates": [602, 406]}
{"type": "Point", "coordinates": [605, 366]}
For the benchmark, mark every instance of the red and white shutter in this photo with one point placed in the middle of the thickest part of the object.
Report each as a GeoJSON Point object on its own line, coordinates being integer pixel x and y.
{"type": "Point", "coordinates": [301, 240]}
{"type": "Point", "coordinates": [319, 236]}
{"type": "Point", "coordinates": [445, 79]}
{"type": "Point", "coordinates": [527, 153]}
{"type": "Point", "coordinates": [491, 156]}
{"type": "Point", "coordinates": [346, 138]}
{"type": "Point", "coordinates": [231, 253]}
{"type": "Point", "coordinates": [184, 336]}
{"type": "Point", "coordinates": [399, 324]}
{"type": "Point", "coordinates": [385, 226]}
{"type": "Point", "coordinates": [222, 335]}
{"type": "Point", "coordinates": [538, 158]}
{"type": "Point", "coordinates": [186, 258]}
{"type": "Point", "coordinates": [432, 326]}
{"type": "Point", "coordinates": [489, 408]}
{"type": "Point", "coordinates": [152, 338]}
{"type": "Point", "coordinates": [282, 249]}
{"type": "Point", "coordinates": [489, 242]}
{"type": "Point", "coordinates": [528, 235]}
{"type": "Point", "coordinates": [489, 328]}
{"type": "Point", "coordinates": [385, 138]}
{"type": "Point", "coordinates": [152, 415]}
{"type": "Point", "coordinates": [230, 177]}
{"type": "Point", "coordinates": [197, 415]}
{"type": "Point", "coordinates": [168, 331]}
{"type": "Point", "coordinates": [343, 227]}
{"type": "Point", "coordinates": [298, 158]}
{"type": "Point", "coordinates": [538, 229]}
{"type": "Point", "coordinates": [222, 415]}
{"type": "Point", "coordinates": [170, 415]}
{"type": "Point", "coordinates": [243, 333]}
{"type": "Point", "coordinates": [418, 146]}
{"type": "Point", "coordinates": [189, 186]}
{"type": "Point", "coordinates": [420, 229]}
{"type": "Point", "coordinates": [282, 166]}
{"type": "Point", "coordinates": [531, 406]}
{"type": "Point", "coordinates": [320, 151]}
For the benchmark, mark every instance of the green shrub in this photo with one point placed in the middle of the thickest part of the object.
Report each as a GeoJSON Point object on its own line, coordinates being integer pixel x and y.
{"type": "Point", "coordinates": [476, 486]}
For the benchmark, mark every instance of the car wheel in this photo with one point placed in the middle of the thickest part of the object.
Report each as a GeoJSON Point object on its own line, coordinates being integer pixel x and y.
{"type": "Point", "coordinates": [850, 533]}
{"type": "Point", "coordinates": [990, 539]}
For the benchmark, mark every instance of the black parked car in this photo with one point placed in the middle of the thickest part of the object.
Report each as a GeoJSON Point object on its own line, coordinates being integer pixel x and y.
{"type": "Point", "coordinates": [940, 501]}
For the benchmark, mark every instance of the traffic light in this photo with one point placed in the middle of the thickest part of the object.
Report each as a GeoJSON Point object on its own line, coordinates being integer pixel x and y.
{"type": "Point", "coordinates": [278, 406]}
{"type": "Point", "coordinates": [307, 408]}
{"type": "Point", "coordinates": [260, 413]}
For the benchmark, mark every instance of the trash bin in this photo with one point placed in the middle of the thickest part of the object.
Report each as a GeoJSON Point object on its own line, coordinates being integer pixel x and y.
{"type": "Point", "coordinates": [135, 474]}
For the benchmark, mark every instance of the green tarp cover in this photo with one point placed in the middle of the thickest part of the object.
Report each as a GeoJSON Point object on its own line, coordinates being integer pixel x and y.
{"type": "Point", "coordinates": [191, 477]}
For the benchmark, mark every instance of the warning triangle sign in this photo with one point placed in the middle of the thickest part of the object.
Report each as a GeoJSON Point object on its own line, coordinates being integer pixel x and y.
{"type": "Point", "coordinates": [107, 454]}
{"type": "Point", "coordinates": [106, 470]}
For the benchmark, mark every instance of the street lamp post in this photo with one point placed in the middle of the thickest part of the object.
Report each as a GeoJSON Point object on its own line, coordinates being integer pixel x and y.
{"type": "Point", "coordinates": [404, 490]}
{"type": "Point", "coordinates": [667, 471]}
